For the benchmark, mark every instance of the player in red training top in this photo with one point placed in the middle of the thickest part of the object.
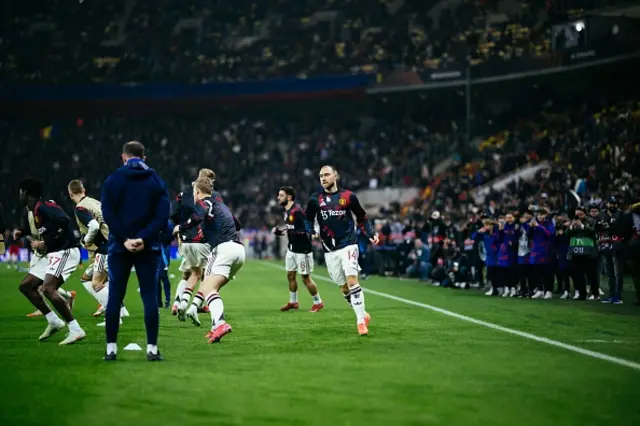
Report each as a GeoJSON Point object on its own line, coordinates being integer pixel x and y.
{"type": "Point", "coordinates": [334, 209]}
{"type": "Point", "coordinates": [299, 257]}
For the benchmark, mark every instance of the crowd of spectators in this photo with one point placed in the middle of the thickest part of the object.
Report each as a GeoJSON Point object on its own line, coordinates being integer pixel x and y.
{"type": "Point", "coordinates": [252, 156]}
{"type": "Point", "coordinates": [166, 40]}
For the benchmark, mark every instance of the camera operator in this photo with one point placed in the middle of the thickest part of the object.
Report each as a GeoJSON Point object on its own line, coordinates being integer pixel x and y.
{"type": "Point", "coordinates": [459, 268]}
{"type": "Point", "coordinates": [451, 232]}
{"type": "Point", "coordinates": [583, 255]}
{"type": "Point", "coordinates": [611, 248]}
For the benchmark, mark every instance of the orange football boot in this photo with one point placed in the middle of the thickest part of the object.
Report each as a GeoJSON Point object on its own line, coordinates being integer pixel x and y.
{"type": "Point", "coordinates": [362, 329]}
{"type": "Point", "coordinates": [289, 306]}
{"type": "Point", "coordinates": [219, 333]}
{"type": "Point", "coordinates": [316, 307]}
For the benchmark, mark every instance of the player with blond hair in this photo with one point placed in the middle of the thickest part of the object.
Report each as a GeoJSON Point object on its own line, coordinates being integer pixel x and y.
{"type": "Point", "coordinates": [193, 247]}
{"type": "Point", "coordinates": [95, 237]}
{"type": "Point", "coordinates": [227, 252]}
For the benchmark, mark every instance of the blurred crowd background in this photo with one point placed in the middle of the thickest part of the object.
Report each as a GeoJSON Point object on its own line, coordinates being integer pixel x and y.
{"type": "Point", "coordinates": [464, 153]}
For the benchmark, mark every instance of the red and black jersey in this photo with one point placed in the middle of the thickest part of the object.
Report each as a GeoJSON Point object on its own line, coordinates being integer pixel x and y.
{"type": "Point", "coordinates": [212, 216]}
{"type": "Point", "coordinates": [182, 210]}
{"type": "Point", "coordinates": [335, 212]}
{"type": "Point", "coordinates": [54, 226]}
{"type": "Point", "coordinates": [298, 230]}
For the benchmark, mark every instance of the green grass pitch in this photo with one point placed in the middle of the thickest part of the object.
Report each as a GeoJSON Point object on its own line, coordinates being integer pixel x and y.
{"type": "Point", "coordinates": [417, 367]}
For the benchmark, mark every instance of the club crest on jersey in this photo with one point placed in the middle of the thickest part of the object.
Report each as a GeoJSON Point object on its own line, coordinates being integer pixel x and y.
{"type": "Point", "coordinates": [291, 218]}
{"type": "Point", "coordinates": [342, 201]}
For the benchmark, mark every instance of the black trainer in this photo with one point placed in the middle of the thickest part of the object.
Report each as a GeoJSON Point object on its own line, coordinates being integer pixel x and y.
{"type": "Point", "coordinates": [110, 357]}
{"type": "Point", "coordinates": [154, 357]}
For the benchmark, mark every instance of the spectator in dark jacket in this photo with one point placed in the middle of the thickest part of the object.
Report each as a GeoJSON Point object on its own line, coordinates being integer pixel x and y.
{"type": "Point", "coordinates": [629, 228]}
{"type": "Point", "coordinates": [561, 262]}
{"type": "Point", "coordinates": [611, 247]}
{"type": "Point", "coordinates": [421, 261]}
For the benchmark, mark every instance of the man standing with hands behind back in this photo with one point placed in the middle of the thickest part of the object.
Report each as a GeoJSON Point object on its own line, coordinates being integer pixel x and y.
{"type": "Point", "coordinates": [135, 206]}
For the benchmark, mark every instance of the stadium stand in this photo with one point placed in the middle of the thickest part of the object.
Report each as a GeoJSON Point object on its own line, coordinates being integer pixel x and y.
{"type": "Point", "coordinates": [390, 139]}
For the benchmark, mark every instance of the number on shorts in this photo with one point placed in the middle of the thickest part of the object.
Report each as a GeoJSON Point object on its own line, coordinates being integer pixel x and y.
{"type": "Point", "coordinates": [53, 261]}
{"type": "Point", "coordinates": [303, 266]}
{"type": "Point", "coordinates": [352, 255]}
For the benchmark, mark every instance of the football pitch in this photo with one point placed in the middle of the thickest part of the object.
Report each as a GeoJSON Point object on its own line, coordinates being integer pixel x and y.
{"type": "Point", "coordinates": [433, 357]}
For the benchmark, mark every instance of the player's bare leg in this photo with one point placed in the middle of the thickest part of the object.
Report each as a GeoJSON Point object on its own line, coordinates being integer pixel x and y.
{"type": "Point", "coordinates": [50, 291]}
{"type": "Point", "coordinates": [69, 296]}
{"type": "Point", "coordinates": [37, 312]}
{"type": "Point", "coordinates": [211, 287]}
{"type": "Point", "coordinates": [30, 287]}
{"type": "Point", "coordinates": [313, 291]}
{"type": "Point", "coordinates": [179, 290]}
{"type": "Point", "coordinates": [293, 292]}
{"type": "Point", "coordinates": [354, 295]}
{"type": "Point", "coordinates": [196, 275]}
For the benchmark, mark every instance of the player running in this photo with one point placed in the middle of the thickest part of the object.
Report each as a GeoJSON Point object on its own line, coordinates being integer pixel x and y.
{"type": "Point", "coordinates": [61, 256]}
{"type": "Point", "coordinates": [193, 248]}
{"type": "Point", "coordinates": [334, 209]}
{"type": "Point", "coordinates": [227, 254]}
{"type": "Point", "coordinates": [299, 257]}
{"type": "Point", "coordinates": [95, 236]}
{"type": "Point", "coordinates": [38, 262]}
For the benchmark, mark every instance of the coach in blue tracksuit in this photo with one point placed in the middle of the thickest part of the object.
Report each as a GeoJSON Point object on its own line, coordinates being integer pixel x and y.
{"type": "Point", "coordinates": [135, 205]}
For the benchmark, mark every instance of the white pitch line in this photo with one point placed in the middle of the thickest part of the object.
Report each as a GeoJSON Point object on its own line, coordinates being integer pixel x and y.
{"type": "Point", "coordinates": [572, 348]}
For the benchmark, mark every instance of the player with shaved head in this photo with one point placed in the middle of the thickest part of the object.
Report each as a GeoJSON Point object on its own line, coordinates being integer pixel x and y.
{"type": "Point", "coordinates": [334, 209]}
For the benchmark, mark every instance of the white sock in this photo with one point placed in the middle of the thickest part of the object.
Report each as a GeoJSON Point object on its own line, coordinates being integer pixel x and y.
{"type": "Point", "coordinates": [216, 309]}
{"type": "Point", "coordinates": [87, 286]}
{"type": "Point", "coordinates": [112, 348]}
{"type": "Point", "coordinates": [52, 318]}
{"type": "Point", "coordinates": [74, 326]}
{"type": "Point", "coordinates": [357, 301]}
{"type": "Point", "coordinates": [103, 295]}
{"type": "Point", "coordinates": [293, 297]}
{"type": "Point", "coordinates": [186, 297]}
{"type": "Point", "coordinates": [153, 349]}
{"type": "Point", "coordinates": [181, 285]}
{"type": "Point", "coordinates": [64, 293]}
{"type": "Point", "coordinates": [316, 299]}
{"type": "Point", "coordinates": [198, 300]}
